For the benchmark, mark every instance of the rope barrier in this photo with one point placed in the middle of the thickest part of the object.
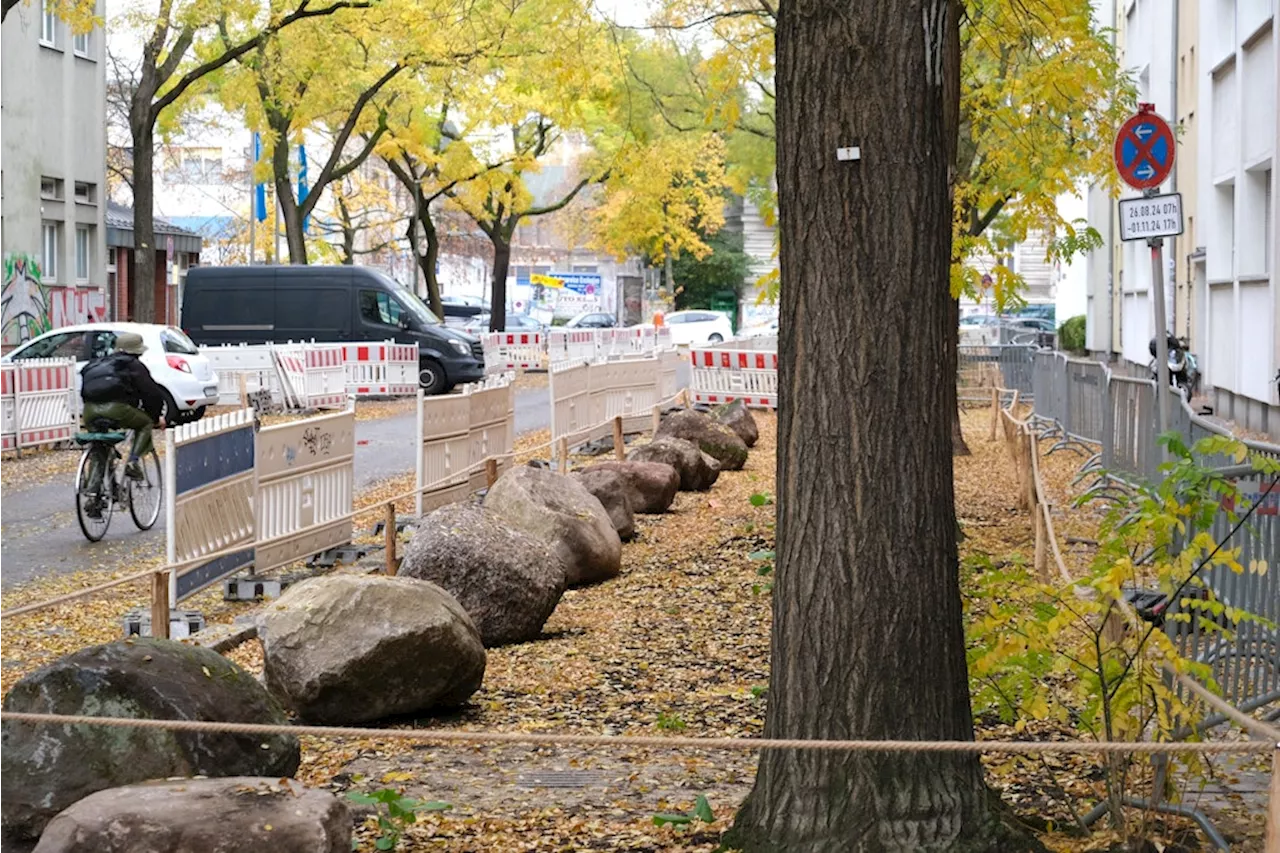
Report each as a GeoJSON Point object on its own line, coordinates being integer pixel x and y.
{"type": "Point", "coordinates": [1249, 747]}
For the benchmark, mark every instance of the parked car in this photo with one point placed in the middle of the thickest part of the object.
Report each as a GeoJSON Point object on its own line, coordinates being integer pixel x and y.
{"type": "Point", "coordinates": [479, 324]}
{"type": "Point", "coordinates": [261, 304]}
{"type": "Point", "coordinates": [461, 311]}
{"type": "Point", "coordinates": [696, 328]}
{"type": "Point", "coordinates": [592, 320]}
{"type": "Point", "coordinates": [979, 330]}
{"type": "Point", "coordinates": [763, 330]}
{"type": "Point", "coordinates": [175, 363]}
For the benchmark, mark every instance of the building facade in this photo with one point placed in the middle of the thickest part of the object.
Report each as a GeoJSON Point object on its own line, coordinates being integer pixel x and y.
{"type": "Point", "coordinates": [52, 173]}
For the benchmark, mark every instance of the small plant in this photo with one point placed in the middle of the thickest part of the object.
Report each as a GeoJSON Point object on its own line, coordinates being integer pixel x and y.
{"type": "Point", "coordinates": [761, 499]}
{"type": "Point", "coordinates": [701, 811]}
{"type": "Point", "coordinates": [396, 813]}
{"type": "Point", "coordinates": [765, 558]}
{"type": "Point", "coordinates": [759, 692]}
{"type": "Point", "coordinates": [670, 723]}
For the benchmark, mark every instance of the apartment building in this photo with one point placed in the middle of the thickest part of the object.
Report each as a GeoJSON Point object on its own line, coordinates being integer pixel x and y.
{"type": "Point", "coordinates": [52, 173]}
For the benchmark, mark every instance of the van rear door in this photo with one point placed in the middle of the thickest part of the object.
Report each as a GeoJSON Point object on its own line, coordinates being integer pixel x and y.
{"type": "Point", "coordinates": [229, 305]}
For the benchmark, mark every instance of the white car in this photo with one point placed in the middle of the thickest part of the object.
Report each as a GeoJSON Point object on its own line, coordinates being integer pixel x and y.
{"type": "Point", "coordinates": [764, 330]}
{"type": "Point", "coordinates": [698, 328]}
{"type": "Point", "coordinates": [174, 361]}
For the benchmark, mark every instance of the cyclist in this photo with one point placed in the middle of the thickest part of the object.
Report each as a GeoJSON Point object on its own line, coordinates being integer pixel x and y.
{"type": "Point", "coordinates": [119, 388]}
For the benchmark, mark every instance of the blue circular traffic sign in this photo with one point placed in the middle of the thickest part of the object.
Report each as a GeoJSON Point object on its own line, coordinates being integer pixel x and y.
{"type": "Point", "coordinates": [1144, 152]}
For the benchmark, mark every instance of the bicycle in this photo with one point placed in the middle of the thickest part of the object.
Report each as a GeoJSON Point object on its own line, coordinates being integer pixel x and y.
{"type": "Point", "coordinates": [101, 483]}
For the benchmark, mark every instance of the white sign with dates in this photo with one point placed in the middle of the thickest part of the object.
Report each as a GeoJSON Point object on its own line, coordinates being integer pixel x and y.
{"type": "Point", "coordinates": [1151, 217]}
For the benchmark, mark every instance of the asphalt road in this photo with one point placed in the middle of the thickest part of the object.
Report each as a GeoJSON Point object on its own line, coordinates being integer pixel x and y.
{"type": "Point", "coordinates": [39, 535]}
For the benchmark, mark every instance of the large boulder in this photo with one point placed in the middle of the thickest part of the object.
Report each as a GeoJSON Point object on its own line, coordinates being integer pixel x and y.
{"type": "Point", "coordinates": [241, 814]}
{"type": "Point", "coordinates": [562, 513]}
{"type": "Point", "coordinates": [651, 486]}
{"type": "Point", "coordinates": [713, 439]}
{"type": "Point", "coordinates": [737, 417]}
{"type": "Point", "coordinates": [698, 471]}
{"type": "Point", "coordinates": [508, 581]}
{"type": "Point", "coordinates": [46, 768]}
{"type": "Point", "coordinates": [351, 648]}
{"type": "Point", "coordinates": [611, 491]}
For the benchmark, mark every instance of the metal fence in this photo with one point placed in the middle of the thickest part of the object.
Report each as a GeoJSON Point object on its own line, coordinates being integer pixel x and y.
{"type": "Point", "coordinates": [1084, 403]}
{"type": "Point", "coordinates": [983, 368]}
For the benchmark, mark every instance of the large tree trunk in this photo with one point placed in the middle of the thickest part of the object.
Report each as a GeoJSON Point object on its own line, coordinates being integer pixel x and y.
{"type": "Point", "coordinates": [142, 278]}
{"type": "Point", "coordinates": [958, 445]}
{"type": "Point", "coordinates": [868, 640]}
{"type": "Point", "coordinates": [289, 210]}
{"type": "Point", "coordinates": [501, 263]}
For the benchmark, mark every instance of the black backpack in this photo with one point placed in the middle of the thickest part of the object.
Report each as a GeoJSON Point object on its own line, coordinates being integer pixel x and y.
{"type": "Point", "coordinates": [101, 382]}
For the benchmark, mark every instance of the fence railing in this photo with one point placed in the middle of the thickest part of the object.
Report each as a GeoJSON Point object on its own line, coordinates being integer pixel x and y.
{"type": "Point", "coordinates": [737, 371]}
{"type": "Point", "coordinates": [39, 403]}
{"type": "Point", "coordinates": [981, 369]}
{"type": "Point", "coordinates": [1085, 405]}
{"type": "Point", "coordinates": [314, 376]}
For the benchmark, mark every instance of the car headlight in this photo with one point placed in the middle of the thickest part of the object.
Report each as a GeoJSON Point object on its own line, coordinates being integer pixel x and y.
{"type": "Point", "coordinates": [463, 349]}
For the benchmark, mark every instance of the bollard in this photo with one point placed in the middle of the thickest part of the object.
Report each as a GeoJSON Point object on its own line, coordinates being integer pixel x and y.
{"type": "Point", "coordinates": [619, 446]}
{"type": "Point", "coordinates": [160, 605]}
{"type": "Point", "coordinates": [490, 472]}
{"type": "Point", "coordinates": [1273, 806]}
{"type": "Point", "coordinates": [389, 540]}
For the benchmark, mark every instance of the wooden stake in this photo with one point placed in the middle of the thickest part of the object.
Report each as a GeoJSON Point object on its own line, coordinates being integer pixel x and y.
{"type": "Point", "coordinates": [1042, 545]}
{"type": "Point", "coordinates": [1273, 806]}
{"type": "Point", "coordinates": [564, 456]}
{"type": "Point", "coordinates": [160, 605]}
{"type": "Point", "coordinates": [490, 472]}
{"type": "Point", "coordinates": [244, 392]}
{"type": "Point", "coordinates": [657, 419]}
{"type": "Point", "coordinates": [1013, 407]}
{"type": "Point", "coordinates": [995, 411]}
{"type": "Point", "coordinates": [619, 446]}
{"type": "Point", "coordinates": [389, 540]}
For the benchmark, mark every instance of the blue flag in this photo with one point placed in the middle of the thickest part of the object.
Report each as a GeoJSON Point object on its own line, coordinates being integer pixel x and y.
{"type": "Point", "coordinates": [259, 190]}
{"type": "Point", "coordinates": [302, 182]}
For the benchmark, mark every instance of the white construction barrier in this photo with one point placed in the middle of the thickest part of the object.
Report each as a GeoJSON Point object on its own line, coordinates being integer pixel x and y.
{"type": "Point", "coordinates": [586, 397]}
{"type": "Point", "coordinates": [39, 403]}
{"type": "Point", "coordinates": [456, 433]}
{"type": "Point", "coordinates": [386, 369]}
{"type": "Point", "coordinates": [305, 480]}
{"type": "Point", "coordinates": [504, 351]}
{"type": "Point", "coordinates": [571, 345]}
{"type": "Point", "coordinates": [312, 376]}
{"type": "Point", "coordinates": [724, 374]}
{"type": "Point", "coordinates": [253, 362]}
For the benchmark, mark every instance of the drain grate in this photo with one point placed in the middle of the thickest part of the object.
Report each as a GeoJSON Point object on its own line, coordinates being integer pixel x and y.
{"type": "Point", "coordinates": [560, 779]}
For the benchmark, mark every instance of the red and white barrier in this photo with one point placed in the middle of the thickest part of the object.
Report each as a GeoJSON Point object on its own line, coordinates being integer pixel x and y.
{"type": "Point", "coordinates": [314, 375]}
{"type": "Point", "coordinates": [381, 369]}
{"type": "Point", "coordinates": [505, 351]}
{"type": "Point", "coordinates": [571, 345]}
{"type": "Point", "coordinates": [722, 375]}
{"type": "Point", "coordinates": [39, 403]}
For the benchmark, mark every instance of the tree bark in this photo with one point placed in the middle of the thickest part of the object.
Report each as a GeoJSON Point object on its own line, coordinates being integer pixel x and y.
{"type": "Point", "coordinates": [427, 260]}
{"type": "Point", "coordinates": [868, 640]}
{"type": "Point", "coordinates": [501, 238]}
{"type": "Point", "coordinates": [142, 278]}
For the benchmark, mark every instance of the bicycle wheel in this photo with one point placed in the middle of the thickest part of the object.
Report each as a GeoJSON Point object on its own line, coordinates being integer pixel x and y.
{"type": "Point", "coordinates": [146, 495]}
{"type": "Point", "coordinates": [93, 500]}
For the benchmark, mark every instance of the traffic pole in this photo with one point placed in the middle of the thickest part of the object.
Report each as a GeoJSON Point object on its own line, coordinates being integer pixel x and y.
{"type": "Point", "coordinates": [1162, 343]}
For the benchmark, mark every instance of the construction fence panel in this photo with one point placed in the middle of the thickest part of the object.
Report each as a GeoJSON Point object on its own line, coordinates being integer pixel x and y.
{"type": "Point", "coordinates": [253, 362]}
{"type": "Point", "coordinates": [1044, 385]}
{"type": "Point", "coordinates": [505, 351]}
{"type": "Point", "coordinates": [571, 405]}
{"type": "Point", "coordinates": [381, 369]}
{"type": "Point", "coordinates": [626, 389]}
{"type": "Point", "coordinates": [46, 403]}
{"type": "Point", "coordinates": [493, 429]}
{"type": "Point", "coordinates": [211, 484]}
{"type": "Point", "coordinates": [1086, 399]}
{"type": "Point", "coordinates": [1129, 424]}
{"type": "Point", "coordinates": [571, 345]}
{"type": "Point", "coordinates": [668, 368]}
{"type": "Point", "coordinates": [313, 376]}
{"type": "Point", "coordinates": [724, 374]}
{"type": "Point", "coordinates": [8, 406]}
{"type": "Point", "coordinates": [456, 434]}
{"type": "Point", "coordinates": [305, 488]}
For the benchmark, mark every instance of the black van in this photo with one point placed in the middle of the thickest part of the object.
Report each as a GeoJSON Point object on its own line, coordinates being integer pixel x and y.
{"type": "Point", "coordinates": [275, 304]}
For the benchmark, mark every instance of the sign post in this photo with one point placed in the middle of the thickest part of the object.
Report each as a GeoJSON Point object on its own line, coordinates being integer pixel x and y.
{"type": "Point", "coordinates": [1144, 154]}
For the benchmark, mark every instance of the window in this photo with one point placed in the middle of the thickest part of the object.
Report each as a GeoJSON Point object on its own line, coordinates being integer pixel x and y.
{"type": "Point", "coordinates": [175, 341]}
{"type": "Point", "coordinates": [61, 345]}
{"type": "Point", "coordinates": [585, 268]}
{"type": "Point", "coordinates": [51, 188]}
{"type": "Point", "coordinates": [86, 193]}
{"type": "Point", "coordinates": [48, 24]}
{"type": "Point", "coordinates": [49, 253]}
{"type": "Point", "coordinates": [80, 44]}
{"type": "Point", "coordinates": [377, 306]}
{"type": "Point", "coordinates": [83, 243]}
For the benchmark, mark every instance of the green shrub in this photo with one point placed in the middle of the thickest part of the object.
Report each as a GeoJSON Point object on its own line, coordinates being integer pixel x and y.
{"type": "Point", "coordinates": [1071, 334]}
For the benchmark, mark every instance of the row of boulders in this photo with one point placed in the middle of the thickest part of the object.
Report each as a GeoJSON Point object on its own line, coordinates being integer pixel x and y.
{"type": "Point", "coordinates": [350, 648]}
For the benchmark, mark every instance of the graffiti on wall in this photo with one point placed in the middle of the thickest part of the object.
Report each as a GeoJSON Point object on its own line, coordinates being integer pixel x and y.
{"type": "Point", "coordinates": [28, 308]}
